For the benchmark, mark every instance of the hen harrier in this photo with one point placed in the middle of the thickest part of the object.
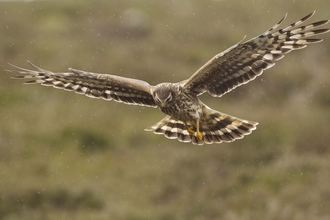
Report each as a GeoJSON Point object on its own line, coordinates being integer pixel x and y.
{"type": "Point", "coordinates": [188, 118]}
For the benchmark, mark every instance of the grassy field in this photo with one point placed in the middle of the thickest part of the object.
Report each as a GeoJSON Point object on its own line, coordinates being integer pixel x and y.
{"type": "Point", "coordinates": [66, 156]}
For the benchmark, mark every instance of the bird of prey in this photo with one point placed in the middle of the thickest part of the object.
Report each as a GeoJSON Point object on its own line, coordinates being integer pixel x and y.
{"type": "Point", "coordinates": [188, 119]}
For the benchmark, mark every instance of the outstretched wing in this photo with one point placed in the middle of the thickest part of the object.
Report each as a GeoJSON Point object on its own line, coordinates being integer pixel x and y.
{"type": "Point", "coordinates": [94, 85]}
{"type": "Point", "coordinates": [243, 62]}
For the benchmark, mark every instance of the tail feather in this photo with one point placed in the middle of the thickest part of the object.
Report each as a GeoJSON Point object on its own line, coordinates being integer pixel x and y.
{"type": "Point", "coordinates": [216, 127]}
{"type": "Point", "coordinates": [172, 129]}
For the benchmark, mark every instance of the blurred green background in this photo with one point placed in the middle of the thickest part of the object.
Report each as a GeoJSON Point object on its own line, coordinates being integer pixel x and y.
{"type": "Point", "coordinates": [66, 156]}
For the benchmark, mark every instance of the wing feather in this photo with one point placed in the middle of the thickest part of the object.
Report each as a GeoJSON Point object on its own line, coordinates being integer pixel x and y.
{"type": "Point", "coordinates": [243, 62]}
{"type": "Point", "coordinates": [93, 85]}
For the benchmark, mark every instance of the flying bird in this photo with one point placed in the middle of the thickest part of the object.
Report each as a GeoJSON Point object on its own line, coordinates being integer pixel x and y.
{"type": "Point", "coordinates": [188, 119]}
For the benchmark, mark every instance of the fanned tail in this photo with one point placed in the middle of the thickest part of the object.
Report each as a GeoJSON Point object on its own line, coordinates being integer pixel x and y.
{"type": "Point", "coordinates": [217, 128]}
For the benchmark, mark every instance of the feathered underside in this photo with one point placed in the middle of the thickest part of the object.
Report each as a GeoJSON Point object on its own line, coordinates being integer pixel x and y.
{"type": "Point", "coordinates": [243, 62]}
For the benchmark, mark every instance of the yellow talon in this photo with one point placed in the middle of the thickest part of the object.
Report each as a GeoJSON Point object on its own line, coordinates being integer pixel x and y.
{"type": "Point", "coordinates": [199, 136]}
{"type": "Point", "coordinates": [191, 130]}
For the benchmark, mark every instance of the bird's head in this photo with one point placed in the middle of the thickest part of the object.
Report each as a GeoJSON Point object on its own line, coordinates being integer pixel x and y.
{"type": "Point", "coordinates": [164, 94]}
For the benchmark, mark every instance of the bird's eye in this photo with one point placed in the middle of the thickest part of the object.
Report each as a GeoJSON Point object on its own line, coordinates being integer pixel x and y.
{"type": "Point", "coordinates": [169, 98]}
{"type": "Point", "coordinates": [157, 98]}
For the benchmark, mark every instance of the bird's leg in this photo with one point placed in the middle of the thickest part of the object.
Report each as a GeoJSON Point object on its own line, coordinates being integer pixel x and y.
{"type": "Point", "coordinates": [198, 134]}
{"type": "Point", "coordinates": [191, 130]}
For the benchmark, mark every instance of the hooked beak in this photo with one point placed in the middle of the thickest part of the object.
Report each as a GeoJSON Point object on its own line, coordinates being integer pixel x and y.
{"type": "Point", "coordinates": [163, 104]}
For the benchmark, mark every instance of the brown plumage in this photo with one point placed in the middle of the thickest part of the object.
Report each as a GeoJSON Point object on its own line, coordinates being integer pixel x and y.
{"type": "Point", "coordinates": [188, 119]}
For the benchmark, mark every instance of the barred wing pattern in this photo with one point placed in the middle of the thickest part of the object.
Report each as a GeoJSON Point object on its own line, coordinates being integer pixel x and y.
{"type": "Point", "coordinates": [243, 62]}
{"type": "Point", "coordinates": [94, 85]}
